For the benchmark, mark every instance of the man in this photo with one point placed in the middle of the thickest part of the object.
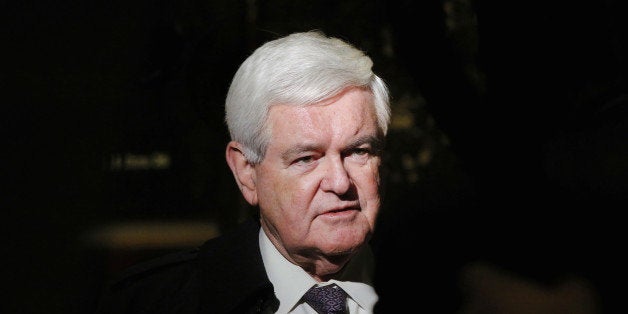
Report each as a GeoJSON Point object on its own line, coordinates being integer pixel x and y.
{"type": "Point", "coordinates": [307, 119]}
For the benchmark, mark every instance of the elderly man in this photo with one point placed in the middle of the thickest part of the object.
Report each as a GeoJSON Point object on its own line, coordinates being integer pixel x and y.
{"type": "Point", "coordinates": [307, 119]}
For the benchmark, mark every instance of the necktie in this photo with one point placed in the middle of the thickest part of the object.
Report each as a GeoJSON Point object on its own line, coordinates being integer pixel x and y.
{"type": "Point", "coordinates": [329, 299]}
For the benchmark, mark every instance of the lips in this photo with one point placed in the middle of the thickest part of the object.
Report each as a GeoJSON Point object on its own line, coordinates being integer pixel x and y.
{"type": "Point", "coordinates": [341, 209]}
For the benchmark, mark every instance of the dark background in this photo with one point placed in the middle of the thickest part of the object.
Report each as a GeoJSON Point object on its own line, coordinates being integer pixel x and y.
{"type": "Point", "coordinates": [508, 143]}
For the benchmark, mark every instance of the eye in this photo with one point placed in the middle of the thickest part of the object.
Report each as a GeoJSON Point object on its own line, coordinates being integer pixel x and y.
{"type": "Point", "coordinates": [357, 155]}
{"type": "Point", "coordinates": [361, 151]}
{"type": "Point", "coordinates": [304, 160]}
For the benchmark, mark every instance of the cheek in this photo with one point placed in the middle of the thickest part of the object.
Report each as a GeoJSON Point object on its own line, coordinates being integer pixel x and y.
{"type": "Point", "coordinates": [286, 194]}
{"type": "Point", "coordinates": [367, 177]}
{"type": "Point", "coordinates": [300, 193]}
{"type": "Point", "coordinates": [369, 190]}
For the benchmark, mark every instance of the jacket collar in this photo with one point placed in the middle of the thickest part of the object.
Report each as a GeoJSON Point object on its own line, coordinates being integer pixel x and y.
{"type": "Point", "coordinates": [232, 273]}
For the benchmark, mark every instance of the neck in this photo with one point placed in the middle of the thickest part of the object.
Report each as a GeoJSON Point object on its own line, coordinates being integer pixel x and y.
{"type": "Point", "coordinates": [325, 268]}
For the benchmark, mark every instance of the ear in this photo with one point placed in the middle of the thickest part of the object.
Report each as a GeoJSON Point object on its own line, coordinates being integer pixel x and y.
{"type": "Point", "coordinates": [243, 171]}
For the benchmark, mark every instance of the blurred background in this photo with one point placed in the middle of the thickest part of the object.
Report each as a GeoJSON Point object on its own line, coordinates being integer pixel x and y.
{"type": "Point", "coordinates": [505, 176]}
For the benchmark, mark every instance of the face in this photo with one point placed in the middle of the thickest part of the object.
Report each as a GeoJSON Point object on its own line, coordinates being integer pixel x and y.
{"type": "Point", "coordinates": [318, 185]}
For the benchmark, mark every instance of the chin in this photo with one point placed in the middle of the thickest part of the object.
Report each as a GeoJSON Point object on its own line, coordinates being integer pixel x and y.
{"type": "Point", "coordinates": [342, 248]}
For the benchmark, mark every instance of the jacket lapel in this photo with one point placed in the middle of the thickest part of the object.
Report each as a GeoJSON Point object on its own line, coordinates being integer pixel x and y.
{"type": "Point", "coordinates": [233, 278]}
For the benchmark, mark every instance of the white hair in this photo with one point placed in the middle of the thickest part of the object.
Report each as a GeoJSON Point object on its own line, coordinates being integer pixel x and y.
{"type": "Point", "coordinates": [299, 69]}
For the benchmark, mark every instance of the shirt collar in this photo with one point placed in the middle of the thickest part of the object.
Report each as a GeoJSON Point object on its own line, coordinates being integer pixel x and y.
{"type": "Point", "coordinates": [291, 281]}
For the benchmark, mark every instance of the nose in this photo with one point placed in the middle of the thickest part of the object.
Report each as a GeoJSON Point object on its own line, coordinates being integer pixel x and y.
{"type": "Point", "coordinates": [336, 178]}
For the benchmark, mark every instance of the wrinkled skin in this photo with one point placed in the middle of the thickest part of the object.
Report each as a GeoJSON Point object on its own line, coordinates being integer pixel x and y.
{"type": "Point", "coordinates": [318, 185]}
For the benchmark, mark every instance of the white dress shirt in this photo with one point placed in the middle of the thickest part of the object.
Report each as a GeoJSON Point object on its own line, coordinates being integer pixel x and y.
{"type": "Point", "coordinates": [291, 281]}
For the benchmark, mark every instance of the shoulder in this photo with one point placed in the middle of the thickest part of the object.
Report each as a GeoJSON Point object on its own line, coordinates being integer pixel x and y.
{"type": "Point", "coordinates": [184, 265]}
{"type": "Point", "coordinates": [158, 268]}
{"type": "Point", "coordinates": [218, 272]}
{"type": "Point", "coordinates": [154, 286]}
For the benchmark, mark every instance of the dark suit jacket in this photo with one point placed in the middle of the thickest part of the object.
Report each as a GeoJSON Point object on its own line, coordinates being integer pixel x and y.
{"type": "Point", "coordinates": [225, 275]}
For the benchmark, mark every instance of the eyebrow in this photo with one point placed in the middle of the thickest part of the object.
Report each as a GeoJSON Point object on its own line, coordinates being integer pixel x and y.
{"type": "Point", "coordinates": [296, 150]}
{"type": "Point", "coordinates": [375, 142]}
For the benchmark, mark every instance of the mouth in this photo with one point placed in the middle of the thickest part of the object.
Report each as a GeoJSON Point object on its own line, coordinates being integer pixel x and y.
{"type": "Point", "coordinates": [340, 210]}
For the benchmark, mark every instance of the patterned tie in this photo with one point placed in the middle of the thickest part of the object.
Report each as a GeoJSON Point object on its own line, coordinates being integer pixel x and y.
{"type": "Point", "coordinates": [329, 299]}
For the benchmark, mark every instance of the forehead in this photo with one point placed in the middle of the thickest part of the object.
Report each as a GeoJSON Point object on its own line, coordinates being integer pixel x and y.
{"type": "Point", "coordinates": [352, 109]}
